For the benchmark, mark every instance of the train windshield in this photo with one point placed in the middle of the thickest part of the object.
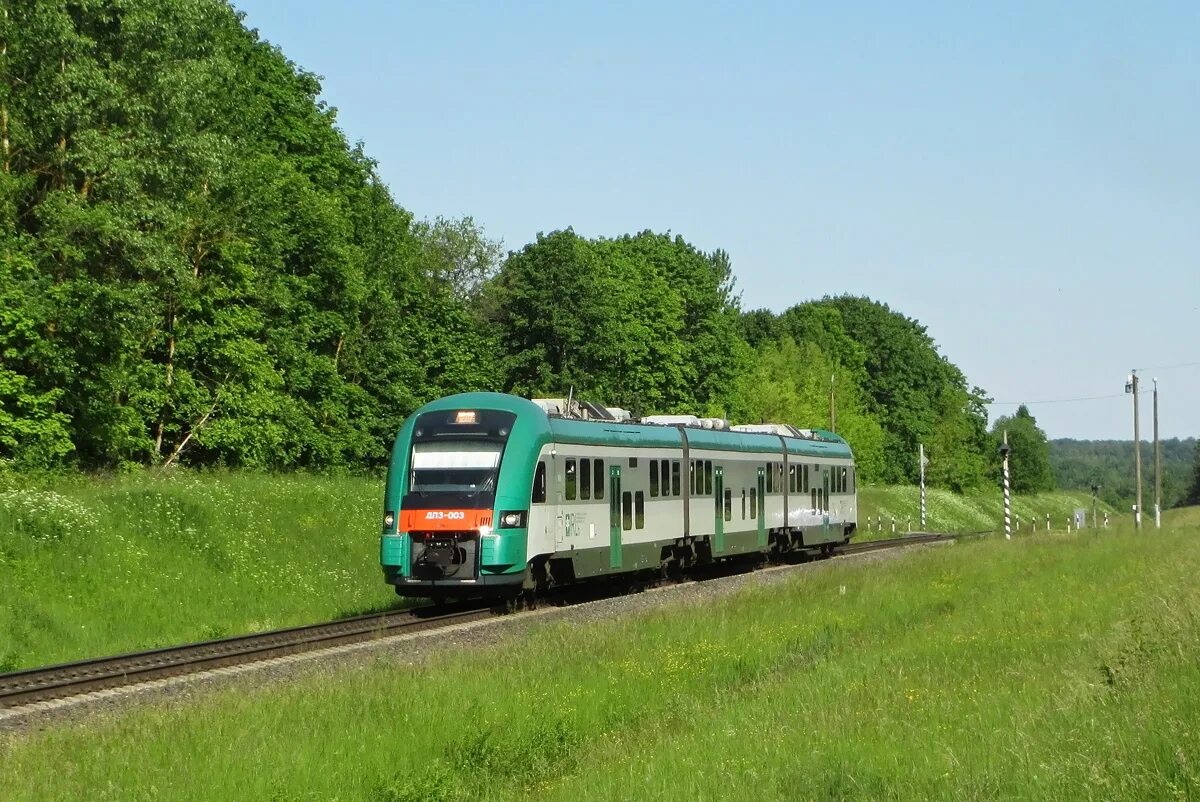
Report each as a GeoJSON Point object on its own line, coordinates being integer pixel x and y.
{"type": "Point", "coordinates": [457, 454]}
{"type": "Point", "coordinates": [462, 468]}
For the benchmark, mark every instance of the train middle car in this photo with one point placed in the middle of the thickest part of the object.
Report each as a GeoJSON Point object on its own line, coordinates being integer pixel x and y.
{"type": "Point", "coordinates": [487, 494]}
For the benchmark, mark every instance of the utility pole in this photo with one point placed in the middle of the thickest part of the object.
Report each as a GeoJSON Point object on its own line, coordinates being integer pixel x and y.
{"type": "Point", "coordinates": [1095, 490]}
{"type": "Point", "coordinates": [1131, 386]}
{"type": "Point", "coordinates": [1157, 464]}
{"type": "Point", "coordinates": [832, 404]}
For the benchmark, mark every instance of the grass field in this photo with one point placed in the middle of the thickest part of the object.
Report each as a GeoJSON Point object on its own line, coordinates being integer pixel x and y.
{"type": "Point", "coordinates": [97, 566]}
{"type": "Point", "coordinates": [972, 512]}
{"type": "Point", "coordinates": [94, 566]}
{"type": "Point", "coordinates": [1046, 668]}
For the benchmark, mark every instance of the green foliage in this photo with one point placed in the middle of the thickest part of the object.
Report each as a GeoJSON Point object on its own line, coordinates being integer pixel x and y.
{"type": "Point", "coordinates": [197, 266]}
{"type": "Point", "coordinates": [1192, 495]}
{"type": "Point", "coordinates": [1079, 464]}
{"type": "Point", "coordinates": [894, 391]}
{"type": "Point", "coordinates": [1029, 455]}
{"type": "Point", "coordinates": [643, 322]}
{"type": "Point", "coordinates": [913, 390]}
{"type": "Point", "coordinates": [791, 383]}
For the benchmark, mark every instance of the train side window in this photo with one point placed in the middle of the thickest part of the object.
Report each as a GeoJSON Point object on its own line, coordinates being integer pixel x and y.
{"type": "Point", "coordinates": [664, 479]}
{"type": "Point", "coordinates": [754, 502]}
{"type": "Point", "coordinates": [539, 484]}
{"type": "Point", "coordinates": [743, 503]}
{"type": "Point", "coordinates": [598, 480]}
{"type": "Point", "coordinates": [627, 510]}
{"type": "Point", "coordinates": [806, 484]}
{"type": "Point", "coordinates": [708, 477]}
{"type": "Point", "coordinates": [814, 498]}
{"type": "Point", "coordinates": [639, 510]}
{"type": "Point", "coordinates": [692, 477]}
{"type": "Point", "coordinates": [585, 479]}
{"type": "Point", "coordinates": [728, 504]}
{"type": "Point", "coordinates": [633, 462]}
{"type": "Point", "coordinates": [770, 480]}
{"type": "Point", "coordinates": [791, 478]}
{"type": "Point", "coordinates": [653, 479]}
{"type": "Point", "coordinates": [571, 480]}
{"type": "Point", "coordinates": [779, 477]}
{"type": "Point", "coordinates": [675, 477]}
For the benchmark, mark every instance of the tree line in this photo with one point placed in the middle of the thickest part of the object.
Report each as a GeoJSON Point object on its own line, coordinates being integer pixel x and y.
{"type": "Point", "coordinates": [1080, 464]}
{"type": "Point", "coordinates": [198, 268]}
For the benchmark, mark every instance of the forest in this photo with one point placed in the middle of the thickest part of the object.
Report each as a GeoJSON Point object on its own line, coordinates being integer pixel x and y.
{"type": "Point", "coordinates": [199, 268]}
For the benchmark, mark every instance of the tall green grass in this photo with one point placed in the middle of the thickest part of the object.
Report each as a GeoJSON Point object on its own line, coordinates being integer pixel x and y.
{"type": "Point", "coordinates": [972, 512]}
{"type": "Point", "coordinates": [95, 566]}
{"type": "Point", "coordinates": [1044, 668]}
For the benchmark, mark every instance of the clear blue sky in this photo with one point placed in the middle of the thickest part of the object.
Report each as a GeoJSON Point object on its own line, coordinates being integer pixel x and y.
{"type": "Point", "coordinates": [1024, 180]}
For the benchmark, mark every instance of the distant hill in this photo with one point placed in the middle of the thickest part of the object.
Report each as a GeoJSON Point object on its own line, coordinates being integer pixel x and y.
{"type": "Point", "coordinates": [1077, 464]}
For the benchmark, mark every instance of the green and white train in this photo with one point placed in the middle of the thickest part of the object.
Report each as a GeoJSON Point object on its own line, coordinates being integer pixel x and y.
{"type": "Point", "coordinates": [491, 494]}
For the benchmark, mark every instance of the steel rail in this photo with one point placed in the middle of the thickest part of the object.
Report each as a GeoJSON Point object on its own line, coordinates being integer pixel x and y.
{"type": "Point", "coordinates": [19, 688]}
{"type": "Point", "coordinates": [28, 686]}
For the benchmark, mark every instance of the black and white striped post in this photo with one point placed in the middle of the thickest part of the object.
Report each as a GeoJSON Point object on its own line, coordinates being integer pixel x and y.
{"type": "Point", "coordinates": [922, 460]}
{"type": "Point", "coordinates": [1007, 494]}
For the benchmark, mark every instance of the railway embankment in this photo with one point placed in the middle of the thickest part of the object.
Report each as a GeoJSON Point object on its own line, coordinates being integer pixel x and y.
{"type": "Point", "coordinates": [1048, 667]}
{"type": "Point", "coordinates": [99, 566]}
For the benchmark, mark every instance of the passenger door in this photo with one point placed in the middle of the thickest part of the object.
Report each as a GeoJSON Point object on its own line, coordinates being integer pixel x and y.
{"type": "Point", "coordinates": [719, 505]}
{"type": "Point", "coordinates": [614, 516]}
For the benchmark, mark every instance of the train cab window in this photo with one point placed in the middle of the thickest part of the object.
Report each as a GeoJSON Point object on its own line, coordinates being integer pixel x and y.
{"type": "Point", "coordinates": [539, 485]}
{"type": "Point", "coordinates": [675, 477]}
{"type": "Point", "coordinates": [805, 479]}
{"type": "Point", "coordinates": [627, 510]}
{"type": "Point", "coordinates": [845, 480]}
{"type": "Point", "coordinates": [585, 479]}
{"type": "Point", "coordinates": [753, 502]}
{"type": "Point", "coordinates": [708, 477]}
{"type": "Point", "coordinates": [639, 510]}
{"type": "Point", "coordinates": [770, 480]}
{"type": "Point", "coordinates": [598, 479]}
{"type": "Point", "coordinates": [664, 470]}
{"type": "Point", "coordinates": [692, 477]}
{"type": "Point", "coordinates": [743, 503]}
{"type": "Point", "coordinates": [653, 479]}
{"type": "Point", "coordinates": [814, 498]}
{"type": "Point", "coordinates": [633, 462]}
{"type": "Point", "coordinates": [728, 504]}
{"type": "Point", "coordinates": [791, 478]}
{"type": "Point", "coordinates": [779, 476]}
{"type": "Point", "coordinates": [571, 480]}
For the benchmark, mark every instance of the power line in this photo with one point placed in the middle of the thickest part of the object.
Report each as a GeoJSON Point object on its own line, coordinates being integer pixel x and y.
{"type": "Point", "coordinates": [1169, 367]}
{"type": "Point", "coordinates": [1061, 400]}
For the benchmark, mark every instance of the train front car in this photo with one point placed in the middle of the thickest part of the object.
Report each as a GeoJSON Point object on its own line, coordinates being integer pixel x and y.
{"type": "Point", "coordinates": [456, 506]}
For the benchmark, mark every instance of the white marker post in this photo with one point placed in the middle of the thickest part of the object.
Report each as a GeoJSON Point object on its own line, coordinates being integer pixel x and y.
{"type": "Point", "coordinates": [922, 461]}
{"type": "Point", "coordinates": [1007, 498]}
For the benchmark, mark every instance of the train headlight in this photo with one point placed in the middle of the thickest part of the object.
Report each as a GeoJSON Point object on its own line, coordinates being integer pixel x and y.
{"type": "Point", "coordinates": [389, 519]}
{"type": "Point", "coordinates": [512, 519]}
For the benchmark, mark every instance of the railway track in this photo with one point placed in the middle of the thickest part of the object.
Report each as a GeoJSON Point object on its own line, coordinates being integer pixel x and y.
{"type": "Point", "coordinates": [20, 688]}
{"type": "Point", "coordinates": [29, 686]}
